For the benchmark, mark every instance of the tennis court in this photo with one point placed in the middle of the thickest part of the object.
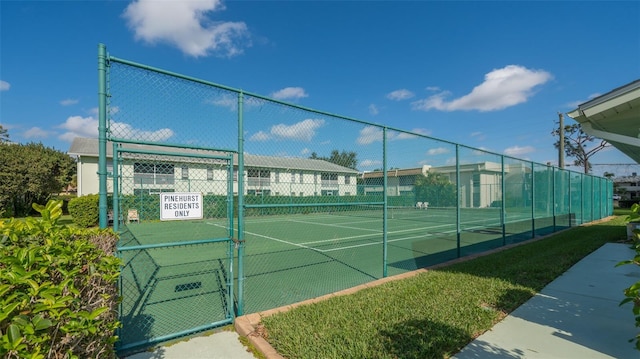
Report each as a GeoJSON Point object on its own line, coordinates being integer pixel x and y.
{"type": "Point", "coordinates": [288, 256]}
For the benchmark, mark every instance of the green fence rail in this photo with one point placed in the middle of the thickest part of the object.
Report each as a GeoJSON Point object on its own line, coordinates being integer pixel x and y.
{"type": "Point", "coordinates": [307, 202]}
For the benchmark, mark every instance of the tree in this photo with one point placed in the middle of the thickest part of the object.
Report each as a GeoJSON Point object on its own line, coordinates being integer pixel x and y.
{"type": "Point", "coordinates": [436, 189]}
{"type": "Point", "coordinates": [30, 174]}
{"type": "Point", "coordinates": [576, 145]}
{"type": "Point", "coordinates": [4, 134]}
{"type": "Point", "coordinates": [344, 158]}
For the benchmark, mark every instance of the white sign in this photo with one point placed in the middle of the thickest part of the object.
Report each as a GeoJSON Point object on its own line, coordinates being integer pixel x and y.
{"type": "Point", "coordinates": [180, 206]}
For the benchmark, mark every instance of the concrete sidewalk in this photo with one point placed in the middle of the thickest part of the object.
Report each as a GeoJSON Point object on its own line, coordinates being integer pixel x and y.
{"type": "Point", "coordinates": [219, 345]}
{"type": "Point", "coordinates": [575, 316]}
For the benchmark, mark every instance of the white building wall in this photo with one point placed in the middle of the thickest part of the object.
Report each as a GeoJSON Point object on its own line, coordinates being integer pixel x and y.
{"type": "Point", "coordinates": [298, 183]}
{"type": "Point", "coordinates": [88, 180]}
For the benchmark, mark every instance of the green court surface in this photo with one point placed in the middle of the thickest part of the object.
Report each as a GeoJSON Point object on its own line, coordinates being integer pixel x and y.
{"type": "Point", "coordinates": [287, 259]}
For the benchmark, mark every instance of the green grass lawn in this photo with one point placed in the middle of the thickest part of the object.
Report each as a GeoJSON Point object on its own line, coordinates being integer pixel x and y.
{"type": "Point", "coordinates": [434, 314]}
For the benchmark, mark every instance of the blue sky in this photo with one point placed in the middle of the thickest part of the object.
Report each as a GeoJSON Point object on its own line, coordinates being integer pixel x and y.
{"type": "Point", "coordinates": [491, 75]}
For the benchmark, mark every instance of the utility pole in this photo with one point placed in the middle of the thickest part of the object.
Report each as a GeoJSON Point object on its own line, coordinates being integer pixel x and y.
{"type": "Point", "coordinates": [561, 144]}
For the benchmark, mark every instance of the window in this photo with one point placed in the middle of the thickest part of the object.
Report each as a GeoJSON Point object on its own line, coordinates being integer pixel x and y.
{"type": "Point", "coordinates": [301, 194]}
{"type": "Point", "coordinates": [185, 172]}
{"type": "Point", "coordinates": [209, 173]}
{"type": "Point", "coordinates": [347, 179]}
{"type": "Point", "coordinates": [153, 173]}
{"type": "Point", "coordinates": [300, 177]}
{"type": "Point", "coordinates": [293, 177]}
{"type": "Point", "coordinates": [329, 179]}
{"type": "Point", "coordinates": [258, 177]}
{"type": "Point", "coordinates": [277, 176]}
{"type": "Point", "coordinates": [315, 178]}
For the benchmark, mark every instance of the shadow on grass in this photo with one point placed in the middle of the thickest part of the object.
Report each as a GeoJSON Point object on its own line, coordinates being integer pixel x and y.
{"type": "Point", "coordinates": [537, 263]}
{"type": "Point", "coordinates": [428, 339]}
{"type": "Point", "coordinates": [422, 339]}
{"type": "Point", "coordinates": [425, 338]}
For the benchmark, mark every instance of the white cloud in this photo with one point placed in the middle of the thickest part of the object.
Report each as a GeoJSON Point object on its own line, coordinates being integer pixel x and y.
{"type": "Point", "coordinates": [502, 88]}
{"type": "Point", "coordinates": [260, 136]}
{"type": "Point", "coordinates": [77, 126]}
{"type": "Point", "coordinates": [4, 86]}
{"type": "Point", "coordinates": [518, 151]}
{"type": "Point", "coordinates": [408, 136]}
{"type": "Point", "coordinates": [370, 134]}
{"type": "Point", "coordinates": [226, 100]}
{"type": "Point", "coordinates": [187, 26]}
{"type": "Point", "coordinates": [289, 93]}
{"type": "Point", "coordinates": [35, 132]}
{"type": "Point", "coordinates": [304, 130]}
{"type": "Point", "coordinates": [301, 131]}
{"type": "Point", "coordinates": [370, 163]}
{"type": "Point", "coordinates": [437, 151]}
{"type": "Point", "coordinates": [373, 109]}
{"type": "Point", "coordinates": [305, 151]}
{"type": "Point", "coordinates": [575, 104]}
{"type": "Point", "coordinates": [481, 151]}
{"type": "Point", "coordinates": [399, 95]}
{"type": "Point", "coordinates": [124, 130]}
{"type": "Point", "coordinates": [69, 102]}
{"type": "Point", "coordinates": [478, 136]}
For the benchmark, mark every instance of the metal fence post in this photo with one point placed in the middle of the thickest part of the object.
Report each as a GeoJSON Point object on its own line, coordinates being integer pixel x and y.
{"type": "Point", "coordinates": [240, 309]}
{"type": "Point", "coordinates": [116, 190]}
{"type": "Point", "coordinates": [385, 200]}
{"type": "Point", "coordinates": [102, 134]}
{"type": "Point", "coordinates": [458, 227]}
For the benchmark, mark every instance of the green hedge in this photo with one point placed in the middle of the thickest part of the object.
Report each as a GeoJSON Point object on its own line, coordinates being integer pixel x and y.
{"type": "Point", "coordinates": [84, 210]}
{"type": "Point", "coordinates": [58, 294]}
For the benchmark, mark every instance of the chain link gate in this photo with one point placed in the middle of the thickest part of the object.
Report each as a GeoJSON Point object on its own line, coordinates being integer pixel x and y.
{"type": "Point", "coordinates": [175, 218]}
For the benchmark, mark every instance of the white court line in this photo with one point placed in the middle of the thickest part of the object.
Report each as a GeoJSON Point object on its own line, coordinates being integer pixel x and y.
{"type": "Point", "coordinates": [303, 245]}
{"type": "Point", "coordinates": [337, 225]}
{"type": "Point", "coordinates": [394, 240]}
{"type": "Point", "coordinates": [379, 232]}
{"type": "Point", "coordinates": [267, 237]}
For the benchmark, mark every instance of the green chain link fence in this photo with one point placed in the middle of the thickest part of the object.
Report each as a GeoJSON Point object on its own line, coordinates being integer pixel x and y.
{"type": "Point", "coordinates": [296, 203]}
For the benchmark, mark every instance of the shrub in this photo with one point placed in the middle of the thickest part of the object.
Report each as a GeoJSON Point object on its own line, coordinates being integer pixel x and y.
{"type": "Point", "coordinates": [58, 294]}
{"type": "Point", "coordinates": [84, 210]}
{"type": "Point", "coordinates": [632, 293]}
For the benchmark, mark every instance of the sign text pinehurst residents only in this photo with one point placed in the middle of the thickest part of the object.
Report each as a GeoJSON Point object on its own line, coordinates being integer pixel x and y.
{"type": "Point", "coordinates": [180, 206]}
